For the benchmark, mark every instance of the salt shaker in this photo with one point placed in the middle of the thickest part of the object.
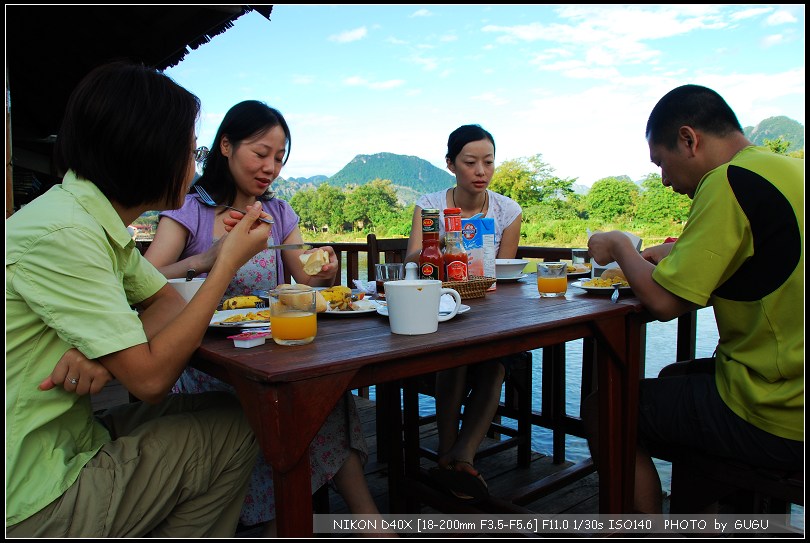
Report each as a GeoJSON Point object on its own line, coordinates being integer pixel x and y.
{"type": "Point", "coordinates": [411, 271]}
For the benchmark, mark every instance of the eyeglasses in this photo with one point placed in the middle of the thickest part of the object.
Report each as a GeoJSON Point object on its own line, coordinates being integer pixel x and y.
{"type": "Point", "coordinates": [200, 154]}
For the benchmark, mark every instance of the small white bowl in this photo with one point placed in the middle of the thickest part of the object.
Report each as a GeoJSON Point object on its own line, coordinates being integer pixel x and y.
{"type": "Point", "coordinates": [187, 289]}
{"type": "Point", "coordinates": [509, 268]}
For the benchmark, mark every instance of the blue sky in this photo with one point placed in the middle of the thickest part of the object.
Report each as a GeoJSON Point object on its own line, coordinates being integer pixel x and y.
{"type": "Point", "coordinates": [573, 83]}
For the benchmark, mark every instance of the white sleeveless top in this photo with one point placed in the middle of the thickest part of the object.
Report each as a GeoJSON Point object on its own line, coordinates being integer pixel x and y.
{"type": "Point", "coordinates": [501, 208]}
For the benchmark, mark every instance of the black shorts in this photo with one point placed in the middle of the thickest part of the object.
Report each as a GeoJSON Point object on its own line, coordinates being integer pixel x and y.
{"type": "Point", "coordinates": [682, 409]}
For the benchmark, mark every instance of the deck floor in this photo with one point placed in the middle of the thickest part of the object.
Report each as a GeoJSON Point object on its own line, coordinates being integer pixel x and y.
{"type": "Point", "coordinates": [500, 470]}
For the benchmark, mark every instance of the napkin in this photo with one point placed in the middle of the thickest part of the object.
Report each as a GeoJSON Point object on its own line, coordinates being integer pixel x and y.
{"type": "Point", "coordinates": [446, 303]}
{"type": "Point", "coordinates": [369, 287]}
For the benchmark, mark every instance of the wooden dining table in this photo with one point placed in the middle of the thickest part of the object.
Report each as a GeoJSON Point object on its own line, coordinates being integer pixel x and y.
{"type": "Point", "coordinates": [288, 391]}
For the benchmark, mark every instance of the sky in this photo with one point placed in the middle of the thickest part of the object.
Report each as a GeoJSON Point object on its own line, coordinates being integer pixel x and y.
{"type": "Point", "coordinates": [573, 83]}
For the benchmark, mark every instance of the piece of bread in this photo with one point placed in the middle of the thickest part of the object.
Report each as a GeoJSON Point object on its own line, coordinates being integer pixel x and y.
{"type": "Point", "coordinates": [614, 273]}
{"type": "Point", "coordinates": [320, 302]}
{"type": "Point", "coordinates": [313, 262]}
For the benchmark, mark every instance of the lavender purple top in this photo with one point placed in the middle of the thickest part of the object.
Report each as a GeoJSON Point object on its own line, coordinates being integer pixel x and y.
{"type": "Point", "coordinates": [259, 273]}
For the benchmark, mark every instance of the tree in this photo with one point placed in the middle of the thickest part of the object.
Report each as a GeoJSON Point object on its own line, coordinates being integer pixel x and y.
{"type": "Point", "coordinates": [611, 198]}
{"type": "Point", "coordinates": [658, 203]}
{"type": "Point", "coordinates": [303, 203]}
{"type": "Point", "coordinates": [779, 145]}
{"type": "Point", "coordinates": [371, 204]}
{"type": "Point", "coordinates": [530, 181]}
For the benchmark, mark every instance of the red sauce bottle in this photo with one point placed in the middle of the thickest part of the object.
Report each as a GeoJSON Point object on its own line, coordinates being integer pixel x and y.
{"type": "Point", "coordinates": [455, 255]}
{"type": "Point", "coordinates": [431, 262]}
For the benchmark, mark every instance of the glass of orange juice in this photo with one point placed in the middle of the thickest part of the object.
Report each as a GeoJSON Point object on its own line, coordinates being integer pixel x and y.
{"type": "Point", "coordinates": [552, 279]}
{"type": "Point", "coordinates": [293, 318]}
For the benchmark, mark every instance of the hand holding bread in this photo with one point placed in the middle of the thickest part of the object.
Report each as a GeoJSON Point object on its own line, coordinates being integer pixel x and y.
{"type": "Point", "coordinates": [315, 261]}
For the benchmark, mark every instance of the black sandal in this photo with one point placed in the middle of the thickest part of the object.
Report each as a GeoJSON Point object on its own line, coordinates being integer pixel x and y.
{"type": "Point", "coordinates": [462, 484]}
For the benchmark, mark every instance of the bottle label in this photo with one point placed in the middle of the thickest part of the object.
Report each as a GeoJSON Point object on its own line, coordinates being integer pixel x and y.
{"type": "Point", "coordinates": [429, 271]}
{"type": "Point", "coordinates": [457, 271]}
{"type": "Point", "coordinates": [430, 224]}
{"type": "Point", "coordinates": [452, 223]}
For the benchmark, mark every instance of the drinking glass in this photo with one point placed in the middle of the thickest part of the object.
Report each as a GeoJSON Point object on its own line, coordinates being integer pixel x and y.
{"type": "Point", "coordinates": [580, 256]}
{"type": "Point", "coordinates": [388, 272]}
{"type": "Point", "coordinates": [552, 279]}
{"type": "Point", "coordinates": [293, 318]}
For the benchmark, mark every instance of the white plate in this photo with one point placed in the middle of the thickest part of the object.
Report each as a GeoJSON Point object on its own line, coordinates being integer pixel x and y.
{"type": "Point", "coordinates": [219, 316]}
{"type": "Point", "coordinates": [512, 279]}
{"type": "Point", "coordinates": [596, 289]}
{"type": "Point", "coordinates": [580, 274]}
{"type": "Point", "coordinates": [383, 310]}
{"type": "Point", "coordinates": [372, 309]}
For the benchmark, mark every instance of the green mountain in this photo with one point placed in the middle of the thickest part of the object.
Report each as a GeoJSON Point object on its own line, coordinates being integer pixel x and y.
{"type": "Point", "coordinates": [410, 175]}
{"type": "Point", "coordinates": [773, 127]}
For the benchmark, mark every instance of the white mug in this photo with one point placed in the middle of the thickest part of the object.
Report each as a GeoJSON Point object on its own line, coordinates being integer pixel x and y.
{"type": "Point", "coordinates": [413, 305]}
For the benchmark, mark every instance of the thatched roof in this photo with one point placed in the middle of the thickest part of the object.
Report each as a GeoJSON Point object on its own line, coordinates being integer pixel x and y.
{"type": "Point", "coordinates": [50, 48]}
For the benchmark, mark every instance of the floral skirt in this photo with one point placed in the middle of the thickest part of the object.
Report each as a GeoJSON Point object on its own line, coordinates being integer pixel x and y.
{"type": "Point", "coordinates": [328, 451]}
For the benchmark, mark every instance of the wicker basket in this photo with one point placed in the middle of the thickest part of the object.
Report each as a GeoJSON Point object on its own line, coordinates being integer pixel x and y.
{"type": "Point", "coordinates": [476, 287]}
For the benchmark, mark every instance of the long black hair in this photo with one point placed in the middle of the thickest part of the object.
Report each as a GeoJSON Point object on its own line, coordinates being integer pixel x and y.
{"type": "Point", "coordinates": [248, 119]}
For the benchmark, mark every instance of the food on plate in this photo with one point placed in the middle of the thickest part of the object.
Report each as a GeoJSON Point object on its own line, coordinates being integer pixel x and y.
{"type": "Point", "coordinates": [303, 302]}
{"type": "Point", "coordinates": [609, 277]}
{"type": "Point", "coordinates": [340, 298]}
{"type": "Point", "coordinates": [262, 315]}
{"type": "Point", "coordinates": [241, 302]}
{"type": "Point", "coordinates": [579, 268]}
{"type": "Point", "coordinates": [313, 262]}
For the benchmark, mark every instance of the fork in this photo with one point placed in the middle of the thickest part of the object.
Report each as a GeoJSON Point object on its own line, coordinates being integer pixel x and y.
{"type": "Point", "coordinates": [206, 199]}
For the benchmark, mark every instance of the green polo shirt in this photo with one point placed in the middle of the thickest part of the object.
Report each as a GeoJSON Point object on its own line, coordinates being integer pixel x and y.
{"type": "Point", "coordinates": [72, 273]}
{"type": "Point", "coordinates": [742, 252]}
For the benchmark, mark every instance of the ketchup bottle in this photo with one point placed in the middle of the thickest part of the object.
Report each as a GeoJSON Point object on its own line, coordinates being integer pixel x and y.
{"type": "Point", "coordinates": [431, 261]}
{"type": "Point", "coordinates": [455, 255]}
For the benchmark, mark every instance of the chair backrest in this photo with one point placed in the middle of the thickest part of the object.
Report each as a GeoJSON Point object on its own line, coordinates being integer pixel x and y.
{"type": "Point", "coordinates": [343, 250]}
{"type": "Point", "coordinates": [391, 249]}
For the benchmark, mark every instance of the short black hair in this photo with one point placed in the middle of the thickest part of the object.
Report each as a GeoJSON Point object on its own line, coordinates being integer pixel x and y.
{"type": "Point", "coordinates": [247, 119]}
{"type": "Point", "coordinates": [690, 105]}
{"type": "Point", "coordinates": [129, 129]}
{"type": "Point", "coordinates": [463, 135]}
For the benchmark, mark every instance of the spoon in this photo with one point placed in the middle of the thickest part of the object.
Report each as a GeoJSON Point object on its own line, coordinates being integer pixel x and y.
{"type": "Point", "coordinates": [615, 296]}
{"type": "Point", "coordinates": [190, 274]}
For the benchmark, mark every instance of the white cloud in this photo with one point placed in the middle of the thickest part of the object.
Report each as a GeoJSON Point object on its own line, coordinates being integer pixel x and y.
{"type": "Point", "coordinates": [781, 17]}
{"type": "Point", "coordinates": [299, 79]}
{"type": "Point", "coordinates": [349, 35]}
{"type": "Point", "coordinates": [421, 13]}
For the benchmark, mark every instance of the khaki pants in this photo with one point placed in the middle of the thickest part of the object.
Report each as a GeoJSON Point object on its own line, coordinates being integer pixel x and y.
{"type": "Point", "coordinates": [176, 469]}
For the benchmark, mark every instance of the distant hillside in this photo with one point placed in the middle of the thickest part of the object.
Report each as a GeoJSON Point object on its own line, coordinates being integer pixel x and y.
{"type": "Point", "coordinates": [773, 127]}
{"type": "Point", "coordinates": [411, 176]}
{"type": "Point", "coordinates": [285, 188]}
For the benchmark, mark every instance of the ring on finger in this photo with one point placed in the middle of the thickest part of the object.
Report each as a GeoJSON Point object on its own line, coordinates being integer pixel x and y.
{"type": "Point", "coordinates": [73, 380]}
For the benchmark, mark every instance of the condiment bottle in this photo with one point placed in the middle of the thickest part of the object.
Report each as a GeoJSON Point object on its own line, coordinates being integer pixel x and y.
{"type": "Point", "coordinates": [455, 255]}
{"type": "Point", "coordinates": [411, 271]}
{"type": "Point", "coordinates": [431, 263]}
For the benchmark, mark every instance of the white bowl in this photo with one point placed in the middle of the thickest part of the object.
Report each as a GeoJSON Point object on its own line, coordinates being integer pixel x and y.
{"type": "Point", "coordinates": [509, 268]}
{"type": "Point", "coordinates": [187, 289]}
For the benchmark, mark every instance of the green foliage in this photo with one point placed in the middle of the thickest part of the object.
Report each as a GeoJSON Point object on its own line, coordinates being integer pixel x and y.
{"type": "Point", "coordinates": [611, 198]}
{"type": "Point", "coordinates": [778, 146]}
{"type": "Point", "coordinates": [661, 204]}
{"type": "Point", "coordinates": [530, 181]}
{"type": "Point", "coordinates": [372, 204]}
